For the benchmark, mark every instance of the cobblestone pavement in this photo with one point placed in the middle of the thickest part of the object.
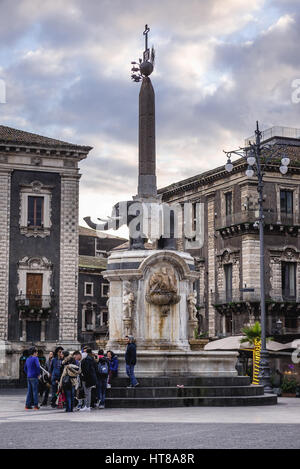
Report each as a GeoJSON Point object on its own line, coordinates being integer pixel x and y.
{"type": "Point", "coordinates": [173, 428]}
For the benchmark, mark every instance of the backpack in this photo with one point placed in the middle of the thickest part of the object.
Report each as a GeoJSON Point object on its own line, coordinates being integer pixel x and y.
{"type": "Point", "coordinates": [103, 369]}
{"type": "Point", "coordinates": [67, 383]}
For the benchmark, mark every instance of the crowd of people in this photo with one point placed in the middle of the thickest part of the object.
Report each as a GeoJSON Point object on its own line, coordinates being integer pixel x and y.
{"type": "Point", "coordinates": [77, 380]}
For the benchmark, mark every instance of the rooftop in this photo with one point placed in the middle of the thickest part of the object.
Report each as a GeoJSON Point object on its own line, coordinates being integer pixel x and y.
{"type": "Point", "coordinates": [83, 231]}
{"type": "Point", "coordinates": [287, 136]}
{"type": "Point", "coordinates": [8, 135]}
{"type": "Point", "coordinates": [91, 262]}
{"type": "Point", "coordinates": [276, 131]}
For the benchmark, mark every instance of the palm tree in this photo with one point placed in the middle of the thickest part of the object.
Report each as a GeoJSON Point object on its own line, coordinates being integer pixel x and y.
{"type": "Point", "coordinates": [253, 336]}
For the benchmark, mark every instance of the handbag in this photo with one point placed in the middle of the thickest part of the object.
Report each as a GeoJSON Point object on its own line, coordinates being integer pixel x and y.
{"type": "Point", "coordinates": [66, 383]}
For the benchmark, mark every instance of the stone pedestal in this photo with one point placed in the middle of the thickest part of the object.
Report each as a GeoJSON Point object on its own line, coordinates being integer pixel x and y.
{"type": "Point", "coordinates": [150, 298]}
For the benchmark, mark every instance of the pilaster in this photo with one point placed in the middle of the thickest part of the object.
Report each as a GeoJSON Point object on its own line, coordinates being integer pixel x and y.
{"type": "Point", "coordinates": [211, 264]}
{"type": "Point", "coordinates": [5, 180]}
{"type": "Point", "coordinates": [68, 295]}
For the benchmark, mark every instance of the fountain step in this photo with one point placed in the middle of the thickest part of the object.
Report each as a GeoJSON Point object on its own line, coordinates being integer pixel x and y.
{"type": "Point", "coordinates": [167, 381]}
{"type": "Point", "coordinates": [231, 401]}
{"type": "Point", "coordinates": [195, 391]}
{"type": "Point", "coordinates": [187, 391]}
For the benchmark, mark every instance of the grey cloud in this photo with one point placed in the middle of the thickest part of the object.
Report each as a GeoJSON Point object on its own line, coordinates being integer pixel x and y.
{"type": "Point", "coordinates": [81, 95]}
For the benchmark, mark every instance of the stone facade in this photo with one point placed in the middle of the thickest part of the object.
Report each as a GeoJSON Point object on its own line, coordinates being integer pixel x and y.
{"type": "Point", "coordinates": [93, 289]}
{"type": "Point", "coordinates": [231, 242]}
{"type": "Point", "coordinates": [39, 244]}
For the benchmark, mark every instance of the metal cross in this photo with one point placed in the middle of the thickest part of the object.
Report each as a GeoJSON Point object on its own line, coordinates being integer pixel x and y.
{"type": "Point", "coordinates": [147, 29]}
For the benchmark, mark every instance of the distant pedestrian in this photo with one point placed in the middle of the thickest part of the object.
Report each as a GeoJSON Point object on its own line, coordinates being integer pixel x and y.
{"type": "Point", "coordinates": [46, 381]}
{"type": "Point", "coordinates": [83, 352]}
{"type": "Point", "coordinates": [102, 376]}
{"type": "Point", "coordinates": [113, 364]}
{"type": "Point", "coordinates": [33, 370]}
{"type": "Point", "coordinates": [89, 378]}
{"type": "Point", "coordinates": [69, 379]}
{"type": "Point", "coordinates": [79, 391]}
{"type": "Point", "coordinates": [130, 360]}
{"type": "Point", "coordinates": [55, 372]}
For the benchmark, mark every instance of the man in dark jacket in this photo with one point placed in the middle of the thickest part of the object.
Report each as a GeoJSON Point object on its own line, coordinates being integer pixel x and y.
{"type": "Point", "coordinates": [89, 378]}
{"type": "Point", "coordinates": [33, 370]}
{"type": "Point", "coordinates": [130, 360]}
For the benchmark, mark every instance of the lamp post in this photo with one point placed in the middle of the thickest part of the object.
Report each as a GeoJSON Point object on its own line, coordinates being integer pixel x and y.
{"type": "Point", "coordinates": [258, 156]}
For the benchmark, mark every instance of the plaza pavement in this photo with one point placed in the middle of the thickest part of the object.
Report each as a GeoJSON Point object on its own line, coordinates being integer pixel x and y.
{"type": "Point", "coordinates": [171, 428]}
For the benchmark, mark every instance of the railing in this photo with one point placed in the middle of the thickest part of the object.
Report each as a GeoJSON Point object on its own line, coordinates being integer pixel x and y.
{"type": "Point", "coordinates": [276, 131]}
{"type": "Point", "coordinates": [34, 301]}
{"type": "Point", "coordinates": [238, 296]}
{"type": "Point", "coordinates": [251, 216]}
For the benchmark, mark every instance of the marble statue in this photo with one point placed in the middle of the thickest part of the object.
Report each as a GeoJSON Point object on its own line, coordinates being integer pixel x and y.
{"type": "Point", "coordinates": [192, 301]}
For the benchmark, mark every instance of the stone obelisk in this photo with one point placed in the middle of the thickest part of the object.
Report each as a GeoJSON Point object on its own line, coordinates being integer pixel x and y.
{"type": "Point", "coordinates": [147, 167]}
{"type": "Point", "coordinates": [147, 188]}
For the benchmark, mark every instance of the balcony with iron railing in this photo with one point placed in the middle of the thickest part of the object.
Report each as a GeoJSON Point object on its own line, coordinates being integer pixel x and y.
{"type": "Point", "coordinates": [248, 219]}
{"type": "Point", "coordinates": [34, 305]}
{"type": "Point", "coordinates": [236, 301]}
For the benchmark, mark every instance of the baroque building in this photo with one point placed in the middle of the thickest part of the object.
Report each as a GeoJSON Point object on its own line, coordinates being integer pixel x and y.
{"type": "Point", "coordinates": [39, 190]}
{"type": "Point", "coordinates": [93, 289]}
{"type": "Point", "coordinates": [228, 261]}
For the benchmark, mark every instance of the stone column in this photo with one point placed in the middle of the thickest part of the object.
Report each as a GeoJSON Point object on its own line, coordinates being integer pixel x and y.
{"type": "Point", "coordinates": [211, 264]}
{"type": "Point", "coordinates": [68, 294]}
{"type": "Point", "coordinates": [5, 179]}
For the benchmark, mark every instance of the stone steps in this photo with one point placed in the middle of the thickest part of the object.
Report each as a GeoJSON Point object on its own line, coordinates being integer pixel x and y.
{"type": "Point", "coordinates": [231, 401]}
{"type": "Point", "coordinates": [187, 391]}
{"type": "Point", "coordinates": [166, 381]}
{"type": "Point", "coordinates": [197, 391]}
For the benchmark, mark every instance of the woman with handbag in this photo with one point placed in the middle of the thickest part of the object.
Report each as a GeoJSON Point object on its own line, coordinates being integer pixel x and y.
{"type": "Point", "coordinates": [69, 380]}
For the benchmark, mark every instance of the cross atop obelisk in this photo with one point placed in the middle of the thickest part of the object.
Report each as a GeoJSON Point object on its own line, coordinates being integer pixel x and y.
{"type": "Point", "coordinates": [147, 170]}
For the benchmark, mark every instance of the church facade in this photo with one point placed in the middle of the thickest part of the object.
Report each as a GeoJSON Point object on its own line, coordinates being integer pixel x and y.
{"type": "Point", "coordinates": [39, 191]}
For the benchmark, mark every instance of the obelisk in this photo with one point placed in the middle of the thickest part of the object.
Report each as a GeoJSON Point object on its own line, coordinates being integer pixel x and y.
{"type": "Point", "coordinates": [147, 167]}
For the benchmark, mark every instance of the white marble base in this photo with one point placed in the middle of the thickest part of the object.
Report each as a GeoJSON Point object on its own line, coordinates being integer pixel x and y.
{"type": "Point", "coordinates": [210, 364]}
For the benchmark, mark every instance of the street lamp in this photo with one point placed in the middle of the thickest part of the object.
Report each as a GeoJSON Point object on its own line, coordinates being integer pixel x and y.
{"type": "Point", "coordinates": [257, 156]}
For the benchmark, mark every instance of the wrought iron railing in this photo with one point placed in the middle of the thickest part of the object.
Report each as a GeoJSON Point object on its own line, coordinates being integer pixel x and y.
{"type": "Point", "coordinates": [276, 131]}
{"type": "Point", "coordinates": [237, 296]}
{"type": "Point", "coordinates": [251, 216]}
{"type": "Point", "coordinates": [34, 301]}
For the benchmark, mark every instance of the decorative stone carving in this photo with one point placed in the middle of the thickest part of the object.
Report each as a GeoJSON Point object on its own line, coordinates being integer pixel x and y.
{"type": "Point", "coordinates": [192, 301]}
{"type": "Point", "coordinates": [192, 310]}
{"type": "Point", "coordinates": [128, 300]}
{"type": "Point", "coordinates": [128, 306]}
{"type": "Point", "coordinates": [36, 160]}
{"type": "Point", "coordinates": [162, 289]}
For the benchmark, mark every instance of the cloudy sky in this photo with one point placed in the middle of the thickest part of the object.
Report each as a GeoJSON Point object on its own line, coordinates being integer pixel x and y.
{"type": "Point", "coordinates": [220, 66]}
